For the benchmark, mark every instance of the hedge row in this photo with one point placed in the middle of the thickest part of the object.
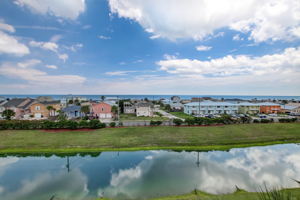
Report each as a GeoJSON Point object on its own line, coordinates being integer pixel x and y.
{"type": "Point", "coordinates": [45, 124]}
{"type": "Point", "coordinates": [208, 121]}
{"type": "Point", "coordinates": [288, 120]}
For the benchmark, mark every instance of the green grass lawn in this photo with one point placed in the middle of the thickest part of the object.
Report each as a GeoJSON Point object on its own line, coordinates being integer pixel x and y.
{"type": "Point", "coordinates": [133, 117]}
{"type": "Point", "coordinates": [181, 115]}
{"type": "Point", "coordinates": [145, 138]}
{"type": "Point", "coordinates": [240, 195]}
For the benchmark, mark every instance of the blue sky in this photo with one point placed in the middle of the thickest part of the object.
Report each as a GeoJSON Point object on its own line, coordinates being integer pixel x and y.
{"type": "Point", "coordinates": [150, 47]}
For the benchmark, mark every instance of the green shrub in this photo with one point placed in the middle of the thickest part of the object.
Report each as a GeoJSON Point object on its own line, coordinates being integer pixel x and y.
{"type": "Point", "coordinates": [265, 121]}
{"type": "Point", "coordinates": [286, 120]}
{"type": "Point", "coordinates": [256, 121]}
{"type": "Point", "coordinates": [112, 124]}
{"type": "Point", "coordinates": [177, 122]}
{"type": "Point", "coordinates": [155, 123]}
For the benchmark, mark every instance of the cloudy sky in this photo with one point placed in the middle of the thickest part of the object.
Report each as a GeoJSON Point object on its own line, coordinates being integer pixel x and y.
{"type": "Point", "coordinates": [232, 47]}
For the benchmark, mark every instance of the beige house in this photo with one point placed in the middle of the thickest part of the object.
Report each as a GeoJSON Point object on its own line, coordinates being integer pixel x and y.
{"type": "Point", "coordinates": [144, 109]}
{"type": "Point", "coordinates": [248, 108]}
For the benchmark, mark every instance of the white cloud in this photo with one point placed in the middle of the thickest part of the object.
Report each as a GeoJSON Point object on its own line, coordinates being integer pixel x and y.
{"type": "Point", "coordinates": [63, 57]}
{"type": "Point", "coordinates": [45, 45]}
{"type": "Point", "coordinates": [196, 19]}
{"type": "Point", "coordinates": [285, 62]}
{"type": "Point", "coordinates": [237, 37]}
{"type": "Point", "coordinates": [51, 66]}
{"type": "Point", "coordinates": [103, 37]}
{"type": "Point", "coordinates": [10, 45]}
{"type": "Point", "coordinates": [26, 71]}
{"type": "Point", "coordinates": [69, 9]}
{"type": "Point", "coordinates": [203, 48]}
{"type": "Point", "coordinates": [6, 27]}
{"type": "Point", "coordinates": [74, 47]}
{"type": "Point", "coordinates": [29, 63]}
{"type": "Point", "coordinates": [118, 73]}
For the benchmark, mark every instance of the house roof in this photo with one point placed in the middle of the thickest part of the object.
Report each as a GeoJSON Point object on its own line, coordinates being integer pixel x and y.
{"type": "Point", "coordinates": [144, 104]}
{"type": "Point", "coordinates": [286, 107]}
{"type": "Point", "coordinates": [71, 108]}
{"type": "Point", "coordinates": [248, 104]}
{"type": "Point", "coordinates": [26, 105]}
{"type": "Point", "coordinates": [50, 102]}
{"type": "Point", "coordinates": [14, 102]}
{"type": "Point", "coordinates": [268, 104]}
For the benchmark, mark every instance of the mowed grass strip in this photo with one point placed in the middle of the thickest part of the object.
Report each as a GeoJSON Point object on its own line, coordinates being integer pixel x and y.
{"type": "Point", "coordinates": [143, 138]}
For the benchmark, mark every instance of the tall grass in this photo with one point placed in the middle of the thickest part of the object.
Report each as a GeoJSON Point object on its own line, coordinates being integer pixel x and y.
{"type": "Point", "coordinates": [275, 194]}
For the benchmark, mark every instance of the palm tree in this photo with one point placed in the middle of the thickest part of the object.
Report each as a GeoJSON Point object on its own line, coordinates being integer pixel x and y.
{"type": "Point", "coordinates": [8, 114]}
{"type": "Point", "coordinates": [85, 109]}
{"type": "Point", "coordinates": [50, 109]}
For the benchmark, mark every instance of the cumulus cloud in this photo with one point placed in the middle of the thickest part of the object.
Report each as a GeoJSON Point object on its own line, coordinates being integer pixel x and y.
{"type": "Point", "coordinates": [68, 9]}
{"type": "Point", "coordinates": [51, 66]}
{"type": "Point", "coordinates": [203, 48]}
{"type": "Point", "coordinates": [175, 19]}
{"type": "Point", "coordinates": [286, 62]}
{"type": "Point", "coordinates": [26, 71]}
{"type": "Point", "coordinates": [63, 57]}
{"type": "Point", "coordinates": [118, 73]}
{"type": "Point", "coordinates": [9, 44]}
{"type": "Point", "coordinates": [6, 27]}
{"type": "Point", "coordinates": [51, 46]}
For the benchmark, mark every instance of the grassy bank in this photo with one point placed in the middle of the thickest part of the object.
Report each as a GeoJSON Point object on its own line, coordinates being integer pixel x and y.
{"type": "Point", "coordinates": [133, 117]}
{"type": "Point", "coordinates": [240, 195]}
{"type": "Point", "coordinates": [146, 138]}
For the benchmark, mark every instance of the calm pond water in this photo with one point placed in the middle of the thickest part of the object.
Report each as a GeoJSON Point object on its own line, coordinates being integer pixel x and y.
{"type": "Point", "coordinates": [145, 174]}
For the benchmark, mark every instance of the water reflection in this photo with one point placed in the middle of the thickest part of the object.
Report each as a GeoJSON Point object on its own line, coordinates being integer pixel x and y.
{"type": "Point", "coordinates": [145, 174]}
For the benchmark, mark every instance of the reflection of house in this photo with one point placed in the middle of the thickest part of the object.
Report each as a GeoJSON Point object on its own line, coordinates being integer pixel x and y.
{"type": "Point", "coordinates": [101, 110]}
{"type": "Point", "coordinates": [73, 112]}
{"type": "Point", "coordinates": [268, 107]}
{"type": "Point", "coordinates": [21, 106]}
{"type": "Point", "coordinates": [128, 108]}
{"type": "Point", "coordinates": [248, 108]}
{"type": "Point", "coordinates": [40, 109]}
{"type": "Point", "coordinates": [210, 107]}
{"type": "Point", "coordinates": [144, 109]}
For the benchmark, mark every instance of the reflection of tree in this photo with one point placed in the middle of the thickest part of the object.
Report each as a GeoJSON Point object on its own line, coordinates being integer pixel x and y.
{"type": "Point", "coordinates": [198, 162]}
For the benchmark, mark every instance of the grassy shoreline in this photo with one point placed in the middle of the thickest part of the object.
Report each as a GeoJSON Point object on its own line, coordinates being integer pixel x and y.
{"type": "Point", "coordinates": [149, 138]}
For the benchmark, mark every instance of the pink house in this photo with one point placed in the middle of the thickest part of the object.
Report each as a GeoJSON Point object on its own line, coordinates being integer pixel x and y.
{"type": "Point", "coordinates": [101, 110]}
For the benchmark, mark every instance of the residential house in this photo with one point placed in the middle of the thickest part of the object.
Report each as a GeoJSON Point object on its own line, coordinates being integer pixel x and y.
{"type": "Point", "coordinates": [21, 107]}
{"type": "Point", "coordinates": [144, 109]}
{"type": "Point", "coordinates": [268, 107]}
{"type": "Point", "coordinates": [290, 109]}
{"type": "Point", "coordinates": [248, 108]}
{"type": "Point", "coordinates": [176, 106]}
{"type": "Point", "coordinates": [175, 99]}
{"type": "Point", "coordinates": [101, 110]}
{"type": "Point", "coordinates": [128, 108]}
{"type": "Point", "coordinates": [2, 102]}
{"type": "Point", "coordinates": [210, 107]}
{"type": "Point", "coordinates": [40, 110]}
{"type": "Point", "coordinates": [73, 112]}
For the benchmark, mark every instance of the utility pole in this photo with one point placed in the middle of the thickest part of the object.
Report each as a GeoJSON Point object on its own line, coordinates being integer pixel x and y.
{"type": "Point", "coordinates": [199, 106]}
{"type": "Point", "coordinates": [118, 110]}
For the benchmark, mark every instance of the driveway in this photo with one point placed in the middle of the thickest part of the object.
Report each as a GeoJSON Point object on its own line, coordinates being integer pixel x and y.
{"type": "Point", "coordinates": [168, 115]}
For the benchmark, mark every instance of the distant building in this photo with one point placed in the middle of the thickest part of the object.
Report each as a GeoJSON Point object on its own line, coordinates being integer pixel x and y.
{"type": "Point", "coordinates": [210, 107]}
{"type": "Point", "coordinates": [248, 108]}
{"type": "Point", "coordinates": [268, 107]}
{"type": "Point", "coordinates": [128, 108]}
{"type": "Point", "coordinates": [101, 110]}
{"type": "Point", "coordinates": [176, 106]}
{"type": "Point", "coordinates": [40, 110]}
{"type": "Point", "coordinates": [44, 98]}
{"type": "Point", "coordinates": [290, 109]}
{"type": "Point", "coordinates": [144, 109]}
{"type": "Point", "coordinates": [175, 99]}
{"type": "Point", "coordinates": [21, 106]}
{"type": "Point", "coordinates": [73, 112]}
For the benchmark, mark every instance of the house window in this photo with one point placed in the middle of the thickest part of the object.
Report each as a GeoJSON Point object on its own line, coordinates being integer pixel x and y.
{"type": "Point", "coordinates": [37, 107]}
{"type": "Point", "coordinates": [102, 109]}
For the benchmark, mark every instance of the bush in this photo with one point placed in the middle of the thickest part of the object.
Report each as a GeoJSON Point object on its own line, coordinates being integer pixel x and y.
{"type": "Point", "coordinates": [265, 121]}
{"type": "Point", "coordinates": [256, 121]}
{"type": "Point", "coordinates": [190, 121]}
{"type": "Point", "coordinates": [112, 124]}
{"type": "Point", "coordinates": [286, 120]}
{"type": "Point", "coordinates": [46, 124]}
{"type": "Point", "coordinates": [155, 123]}
{"type": "Point", "coordinates": [177, 122]}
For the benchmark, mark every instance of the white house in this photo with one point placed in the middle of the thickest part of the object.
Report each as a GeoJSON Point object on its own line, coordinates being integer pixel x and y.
{"type": "Point", "coordinates": [210, 107]}
{"type": "Point", "coordinates": [144, 109]}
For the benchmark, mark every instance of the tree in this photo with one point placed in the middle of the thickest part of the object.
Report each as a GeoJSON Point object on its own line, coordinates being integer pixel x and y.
{"type": "Point", "coordinates": [50, 109]}
{"type": "Point", "coordinates": [114, 110]}
{"type": "Point", "coordinates": [168, 108]}
{"type": "Point", "coordinates": [8, 114]}
{"type": "Point", "coordinates": [70, 101]}
{"type": "Point", "coordinates": [85, 109]}
{"type": "Point", "coordinates": [102, 98]}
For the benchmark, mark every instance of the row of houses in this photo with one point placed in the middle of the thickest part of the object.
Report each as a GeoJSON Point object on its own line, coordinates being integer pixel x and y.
{"type": "Point", "coordinates": [215, 107]}
{"type": "Point", "coordinates": [27, 108]}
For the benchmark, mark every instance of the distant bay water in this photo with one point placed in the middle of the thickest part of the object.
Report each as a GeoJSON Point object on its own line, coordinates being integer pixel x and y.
{"type": "Point", "coordinates": [153, 97]}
